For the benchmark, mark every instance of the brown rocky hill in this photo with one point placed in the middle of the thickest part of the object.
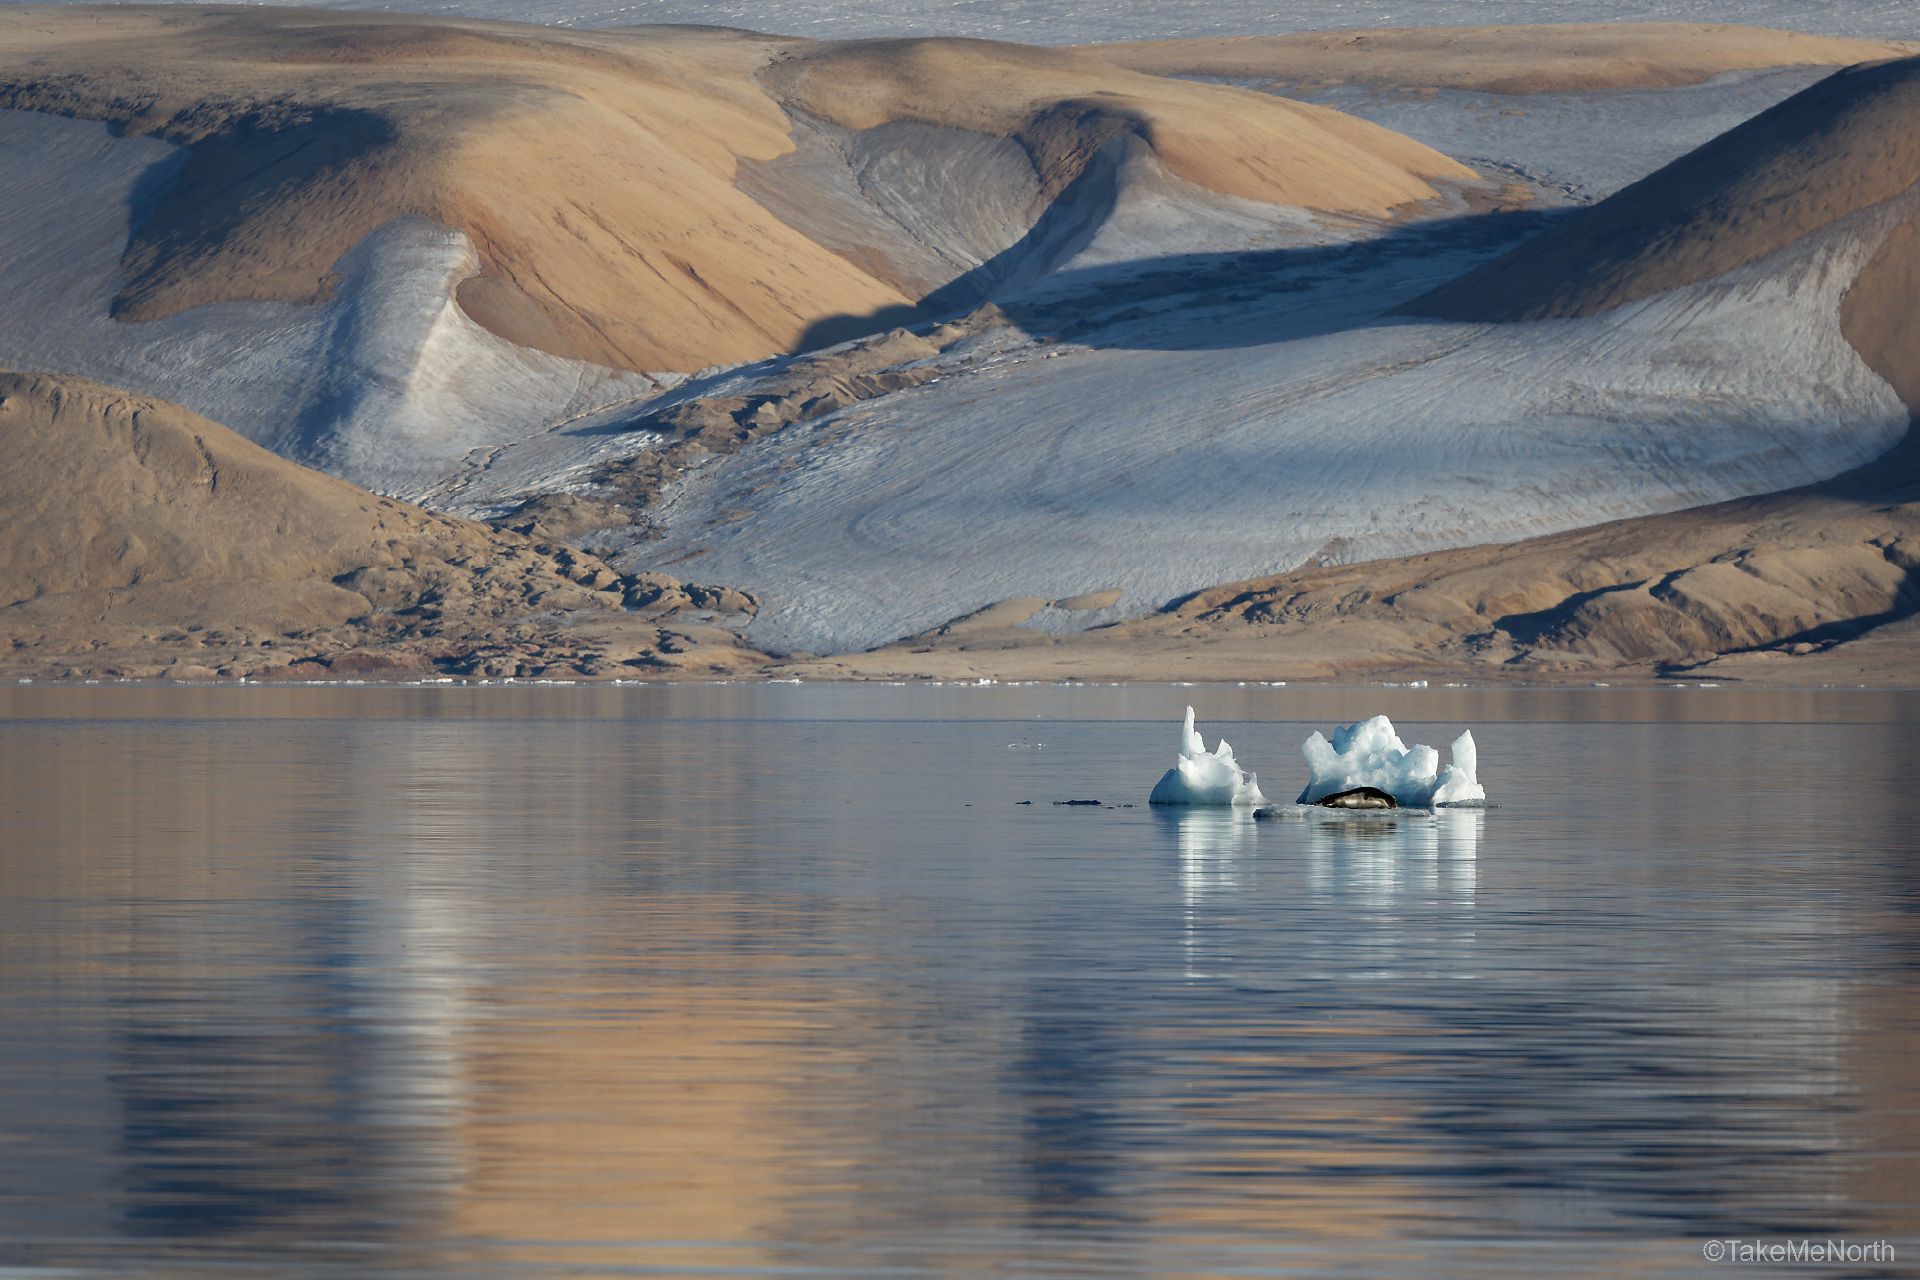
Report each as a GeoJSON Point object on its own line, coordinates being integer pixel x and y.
{"type": "Point", "coordinates": [142, 539]}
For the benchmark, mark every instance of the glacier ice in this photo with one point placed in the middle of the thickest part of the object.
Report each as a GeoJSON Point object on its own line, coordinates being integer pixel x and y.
{"type": "Point", "coordinates": [1205, 777]}
{"type": "Point", "coordinates": [1370, 754]}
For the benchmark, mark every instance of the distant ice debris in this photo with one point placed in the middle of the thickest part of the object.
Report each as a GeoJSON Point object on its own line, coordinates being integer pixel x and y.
{"type": "Point", "coordinates": [1370, 754]}
{"type": "Point", "coordinates": [1202, 777]}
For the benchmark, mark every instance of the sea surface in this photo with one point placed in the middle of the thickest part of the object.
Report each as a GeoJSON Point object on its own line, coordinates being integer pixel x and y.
{"type": "Point", "coordinates": [782, 980]}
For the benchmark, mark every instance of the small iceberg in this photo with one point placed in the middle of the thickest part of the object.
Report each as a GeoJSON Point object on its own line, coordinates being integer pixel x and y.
{"type": "Point", "coordinates": [1370, 755]}
{"type": "Point", "coordinates": [1203, 777]}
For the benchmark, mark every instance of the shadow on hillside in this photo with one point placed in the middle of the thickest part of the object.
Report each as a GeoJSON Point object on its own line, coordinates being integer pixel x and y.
{"type": "Point", "coordinates": [1176, 302]}
{"type": "Point", "coordinates": [1893, 477]}
{"type": "Point", "coordinates": [1201, 301]}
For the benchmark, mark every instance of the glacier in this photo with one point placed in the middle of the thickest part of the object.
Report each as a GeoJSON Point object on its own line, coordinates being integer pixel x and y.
{"type": "Point", "coordinates": [1298, 420]}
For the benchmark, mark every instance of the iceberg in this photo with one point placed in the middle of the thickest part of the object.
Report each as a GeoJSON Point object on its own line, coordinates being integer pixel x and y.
{"type": "Point", "coordinates": [1205, 777]}
{"type": "Point", "coordinates": [1370, 754]}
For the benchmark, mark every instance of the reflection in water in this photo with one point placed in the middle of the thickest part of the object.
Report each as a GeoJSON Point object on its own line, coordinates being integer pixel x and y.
{"type": "Point", "coordinates": [1212, 844]}
{"type": "Point", "coordinates": [1378, 857]}
{"type": "Point", "coordinates": [672, 989]}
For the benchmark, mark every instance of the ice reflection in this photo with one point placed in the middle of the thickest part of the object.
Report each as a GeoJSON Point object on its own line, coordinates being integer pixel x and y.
{"type": "Point", "coordinates": [1378, 858]}
{"type": "Point", "coordinates": [1212, 844]}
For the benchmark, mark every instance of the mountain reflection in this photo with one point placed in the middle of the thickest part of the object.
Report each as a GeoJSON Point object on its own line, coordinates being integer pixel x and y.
{"type": "Point", "coordinates": [676, 989]}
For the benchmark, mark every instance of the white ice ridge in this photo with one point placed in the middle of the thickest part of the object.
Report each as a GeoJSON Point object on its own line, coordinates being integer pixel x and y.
{"type": "Point", "coordinates": [1205, 777]}
{"type": "Point", "coordinates": [1370, 754]}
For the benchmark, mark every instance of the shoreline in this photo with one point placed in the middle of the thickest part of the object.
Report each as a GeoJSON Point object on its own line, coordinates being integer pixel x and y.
{"type": "Point", "coordinates": [1415, 684]}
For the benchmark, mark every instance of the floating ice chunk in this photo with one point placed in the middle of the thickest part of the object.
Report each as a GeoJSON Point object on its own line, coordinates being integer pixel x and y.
{"type": "Point", "coordinates": [1206, 777]}
{"type": "Point", "coordinates": [1370, 754]}
{"type": "Point", "coordinates": [1459, 783]}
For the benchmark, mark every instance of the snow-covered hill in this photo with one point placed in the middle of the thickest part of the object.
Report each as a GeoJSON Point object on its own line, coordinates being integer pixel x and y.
{"type": "Point", "coordinates": [383, 247]}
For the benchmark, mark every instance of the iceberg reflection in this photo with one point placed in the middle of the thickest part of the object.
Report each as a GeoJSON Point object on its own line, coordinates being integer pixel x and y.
{"type": "Point", "coordinates": [1212, 844]}
{"type": "Point", "coordinates": [1377, 857]}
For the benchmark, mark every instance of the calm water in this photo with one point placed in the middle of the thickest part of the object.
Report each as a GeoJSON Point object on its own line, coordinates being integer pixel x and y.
{"type": "Point", "coordinates": [779, 980]}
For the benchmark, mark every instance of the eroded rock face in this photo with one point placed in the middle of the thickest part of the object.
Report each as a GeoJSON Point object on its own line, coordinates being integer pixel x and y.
{"type": "Point", "coordinates": [1880, 315]}
{"type": "Point", "coordinates": [662, 595]}
{"type": "Point", "coordinates": [695, 430]}
{"type": "Point", "coordinates": [564, 517]}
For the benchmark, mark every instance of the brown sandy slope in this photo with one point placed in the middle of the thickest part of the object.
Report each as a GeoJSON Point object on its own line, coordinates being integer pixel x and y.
{"type": "Point", "coordinates": [594, 171]}
{"type": "Point", "coordinates": [1061, 106]}
{"type": "Point", "coordinates": [1881, 313]}
{"type": "Point", "coordinates": [140, 538]}
{"type": "Point", "coordinates": [1813, 586]}
{"type": "Point", "coordinates": [1547, 58]}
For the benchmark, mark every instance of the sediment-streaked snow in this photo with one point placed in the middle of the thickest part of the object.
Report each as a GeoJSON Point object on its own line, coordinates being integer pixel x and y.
{"type": "Point", "coordinates": [1369, 753]}
{"type": "Point", "coordinates": [1203, 777]}
{"type": "Point", "coordinates": [387, 383]}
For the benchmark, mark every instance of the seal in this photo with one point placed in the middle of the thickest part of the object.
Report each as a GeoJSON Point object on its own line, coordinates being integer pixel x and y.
{"type": "Point", "coordinates": [1358, 798]}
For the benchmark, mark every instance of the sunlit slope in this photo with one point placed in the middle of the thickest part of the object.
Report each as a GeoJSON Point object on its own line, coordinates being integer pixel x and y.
{"type": "Point", "coordinates": [1840, 160]}
{"type": "Point", "coordinates": [1061, 107]}
{"type": "Point", "coordinates": [134, 509]}
{"type": "Point", "coordinates": [595, 173]}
